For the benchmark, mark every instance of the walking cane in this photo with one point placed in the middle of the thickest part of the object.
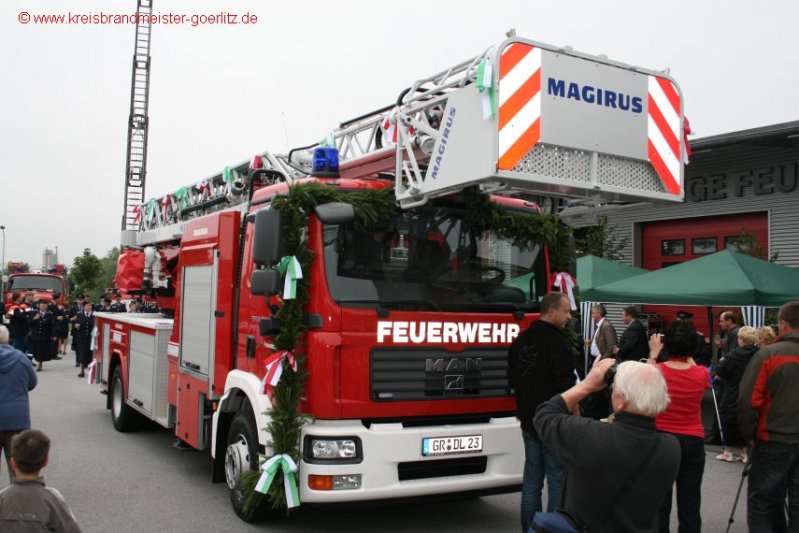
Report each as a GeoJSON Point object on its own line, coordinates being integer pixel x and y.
{"type": "Point", "coordinates": [716, 405]}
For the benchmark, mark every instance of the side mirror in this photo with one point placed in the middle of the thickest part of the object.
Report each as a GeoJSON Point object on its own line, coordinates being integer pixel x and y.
{"type": "Point", "coordinates": [335, 213]}
{"type": "Point", "coordinates": [265, 282]}
{"type": "Point", "coordinates": [267, 246]}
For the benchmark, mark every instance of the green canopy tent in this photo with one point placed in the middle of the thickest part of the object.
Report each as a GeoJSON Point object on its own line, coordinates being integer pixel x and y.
{"type": "Point", "coordinates": [721, 279]}
{"type": "Point", "coordinates": [718, 280]}
{"type": "Point", "coordinates": [593, 271]}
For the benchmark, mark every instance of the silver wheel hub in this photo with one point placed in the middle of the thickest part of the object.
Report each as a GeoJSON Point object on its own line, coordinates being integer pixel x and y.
{"type": "Point", "coordinates": [237, 460]}
{"type": "Point", "coordinates": [116, 400]}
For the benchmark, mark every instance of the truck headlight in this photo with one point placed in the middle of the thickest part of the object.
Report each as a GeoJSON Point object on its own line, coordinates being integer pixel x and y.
{"type": "Point", "coordinates": [333, 448]}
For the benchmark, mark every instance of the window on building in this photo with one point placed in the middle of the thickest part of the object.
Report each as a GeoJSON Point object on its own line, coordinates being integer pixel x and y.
{"type": "Point", "coordinates": [734, 244]}
{"type": "Point", "coordinates": [673, 247]}
{"type": "Point", "coordinates": [704, 245]}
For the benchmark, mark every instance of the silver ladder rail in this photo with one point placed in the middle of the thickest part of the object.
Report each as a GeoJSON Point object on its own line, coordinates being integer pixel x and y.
{"type": "Point", "coordinates": [224, 190]}
{"type": "Point", "coordinates": [136, 161]}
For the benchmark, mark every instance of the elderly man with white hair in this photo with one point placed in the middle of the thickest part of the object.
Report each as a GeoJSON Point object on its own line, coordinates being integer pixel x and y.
{"type": "Point", "coordinates": [618, 472]}
{"type": "Point", "coordinates": [16, 379]}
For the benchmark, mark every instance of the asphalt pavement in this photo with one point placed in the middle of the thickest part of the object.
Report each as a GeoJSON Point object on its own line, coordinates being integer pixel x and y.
{"type": "Point", "coordinates": [137, 482]}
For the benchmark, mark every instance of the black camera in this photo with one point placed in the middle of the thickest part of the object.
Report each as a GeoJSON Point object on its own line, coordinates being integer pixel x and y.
{"type": "Point", "coordinates": [610, 375]}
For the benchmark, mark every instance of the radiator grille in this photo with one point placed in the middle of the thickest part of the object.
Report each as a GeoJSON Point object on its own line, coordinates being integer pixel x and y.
{"type": "Point", "coordinates": [401, 375]}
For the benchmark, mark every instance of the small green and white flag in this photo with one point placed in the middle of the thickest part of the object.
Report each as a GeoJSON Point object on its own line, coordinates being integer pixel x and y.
{"type": "Point", "coordinates": [228, 176]}
{"type": "Point", "coordinates": [485, 84]}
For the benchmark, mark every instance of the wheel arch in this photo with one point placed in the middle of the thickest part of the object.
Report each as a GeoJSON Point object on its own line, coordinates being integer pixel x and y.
{"type": "Point", "coordinates": [242, 395]}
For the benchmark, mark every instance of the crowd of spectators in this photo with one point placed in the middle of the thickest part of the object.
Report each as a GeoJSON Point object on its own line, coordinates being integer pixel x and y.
{"type": "Point", "coordinates": [618, 473]}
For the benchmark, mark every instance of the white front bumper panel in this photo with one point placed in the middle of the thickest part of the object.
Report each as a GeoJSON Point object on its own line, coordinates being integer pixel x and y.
{"type": "Point", "coordinates": [385, 446]}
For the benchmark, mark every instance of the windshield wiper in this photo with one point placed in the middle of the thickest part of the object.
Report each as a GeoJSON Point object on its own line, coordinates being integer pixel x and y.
{"type": "Point", "coordinates": [517, 310]}
{"type": "Point", "coordinates": [396, 304]}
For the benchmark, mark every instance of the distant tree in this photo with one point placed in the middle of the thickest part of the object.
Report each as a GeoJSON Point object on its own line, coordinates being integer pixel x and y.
{"type": "Point", "coordinates": [109, 268]}
{"type": "Point", "coordinates": [85, 275]}
{"type": "Point", "coordinates": [17, 267]}
{"type": "Point", "coordinates": [747, 244]}
{"type": "Point", "coordinates": [600, 240]}
{"type": "Point", "coordinates": [91, 275]}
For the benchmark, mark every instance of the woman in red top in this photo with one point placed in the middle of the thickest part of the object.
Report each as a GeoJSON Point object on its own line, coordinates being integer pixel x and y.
{"type": "Point", "coordinates": [686, 382]}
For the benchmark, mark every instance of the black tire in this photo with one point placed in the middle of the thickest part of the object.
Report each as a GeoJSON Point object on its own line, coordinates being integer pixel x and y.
{"type": "Point", "coordinates": [241, 455]}
{"type": "Point", "coordinates": [124, 418]}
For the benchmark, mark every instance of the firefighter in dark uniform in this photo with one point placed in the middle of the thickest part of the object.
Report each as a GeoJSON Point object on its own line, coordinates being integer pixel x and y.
{"type": "Point", "coordinates": [84, 325]}
{"type": "Point", "coordinates": [118, 306]}
{"type": "Point", "coordinates": [41, 325]}
{"type": "Point", "coordinates": [76, 308]}
{"type": "Point", "coordinates": [17, 321]}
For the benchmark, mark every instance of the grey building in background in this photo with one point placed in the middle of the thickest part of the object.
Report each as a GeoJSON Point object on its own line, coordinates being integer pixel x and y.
{"type": "Point", "coordinates": [737, 184]}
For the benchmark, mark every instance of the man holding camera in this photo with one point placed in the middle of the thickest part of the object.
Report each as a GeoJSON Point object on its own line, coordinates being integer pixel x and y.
{"type": "Point", "coordinates": [617, 473]}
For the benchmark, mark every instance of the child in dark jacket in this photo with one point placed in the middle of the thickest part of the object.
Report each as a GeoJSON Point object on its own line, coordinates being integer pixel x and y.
{"type": "Point", "coordinates": [28, 504]}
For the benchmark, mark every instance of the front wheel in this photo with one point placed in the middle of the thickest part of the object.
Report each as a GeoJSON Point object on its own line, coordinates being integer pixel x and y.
{"type": "Point", "coordinates": [241, 455]}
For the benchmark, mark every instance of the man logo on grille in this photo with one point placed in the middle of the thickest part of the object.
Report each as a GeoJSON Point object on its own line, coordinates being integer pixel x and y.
{"type": "Point", "coordinates": [453, 382]}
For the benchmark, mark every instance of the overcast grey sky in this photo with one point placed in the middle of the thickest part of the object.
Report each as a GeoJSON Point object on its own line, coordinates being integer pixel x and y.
{"type": "Point", "coordinates": [219, 93]}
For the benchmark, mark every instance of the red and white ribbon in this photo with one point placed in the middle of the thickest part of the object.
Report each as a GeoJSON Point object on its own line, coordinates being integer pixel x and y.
{"type": "Point", "coordinates": [686, 149]}
{"type": "Point", "coordinates": [92, 370]}
{"type": "Point", "coordinates": [565, 282]}
{"type": "Point", "coordinates": [274, 368]}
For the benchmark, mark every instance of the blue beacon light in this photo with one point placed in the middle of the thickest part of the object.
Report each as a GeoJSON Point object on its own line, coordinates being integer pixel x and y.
{"type": "Point", "coordinates": [325, 162]}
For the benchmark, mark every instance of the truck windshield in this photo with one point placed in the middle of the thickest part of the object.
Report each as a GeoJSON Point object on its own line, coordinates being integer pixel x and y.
{"type": "Point", "coordinates": [431, 259]}
{"type": "Point", "coordinates": [36, 283]}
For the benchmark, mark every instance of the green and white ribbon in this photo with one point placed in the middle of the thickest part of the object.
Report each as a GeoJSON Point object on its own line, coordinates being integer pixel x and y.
{"type": "Point", "coordinates": [485, 84]}
{"type": "Point", "coordinates": [329, 140]}
{"type": "Point", "coordinates": [290, 267]}
{"type": "Point", "coordinates": [228, 176]}
{"type": "Point", "coordinates": [149, 210]}
{"type": "Point", "coordinates": [182, 197]}
{"type": "Point", "coordinates": [289, 467]}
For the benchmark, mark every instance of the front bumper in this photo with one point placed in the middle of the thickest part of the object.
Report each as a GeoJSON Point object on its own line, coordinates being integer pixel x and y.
{"type": "Point", "coordinates": [386, 446]}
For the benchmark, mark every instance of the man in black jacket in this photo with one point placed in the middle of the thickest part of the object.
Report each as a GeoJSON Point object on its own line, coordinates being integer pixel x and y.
{"type": "Point", "coordinates": [540, 365]}
{"type": "Point", "coordinates": [634, 343]}
{"type": "Point", "coordinates": [618, 473]}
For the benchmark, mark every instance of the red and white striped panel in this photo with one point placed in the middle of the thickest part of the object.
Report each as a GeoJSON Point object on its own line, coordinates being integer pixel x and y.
{"type": "Point", "coordinates": [519, 103]}
{"type": "Point", "coordinates": [663, 132]}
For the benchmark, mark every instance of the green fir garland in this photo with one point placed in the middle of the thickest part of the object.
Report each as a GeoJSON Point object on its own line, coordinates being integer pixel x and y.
{"type": "Point", "coordinates": [371, 206]}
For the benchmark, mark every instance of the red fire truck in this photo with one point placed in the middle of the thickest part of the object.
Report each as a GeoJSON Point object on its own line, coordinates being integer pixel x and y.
{"type": "Point", "coordinates": [408, 321]}
{"type": "Point", "coordinates": [47, 287]}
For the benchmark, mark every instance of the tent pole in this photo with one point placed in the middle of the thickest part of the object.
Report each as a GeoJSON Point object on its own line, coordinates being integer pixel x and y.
{"type": "Point", "coordinates": [712, 337]}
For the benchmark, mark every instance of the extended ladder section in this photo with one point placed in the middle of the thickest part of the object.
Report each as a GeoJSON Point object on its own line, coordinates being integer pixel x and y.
{"type": "Point", "coordinates": [526, 117]}
{"type": "Point", "coordinates": [164, 219]}
{"type": "Point", "coordinates": [135, 168]}
{"type": "Point", "coordinates": [522, 118]}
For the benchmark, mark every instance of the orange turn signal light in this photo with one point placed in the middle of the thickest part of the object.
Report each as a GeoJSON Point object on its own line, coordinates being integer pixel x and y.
{"type": "Point", "coordinates": [316, 482]}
